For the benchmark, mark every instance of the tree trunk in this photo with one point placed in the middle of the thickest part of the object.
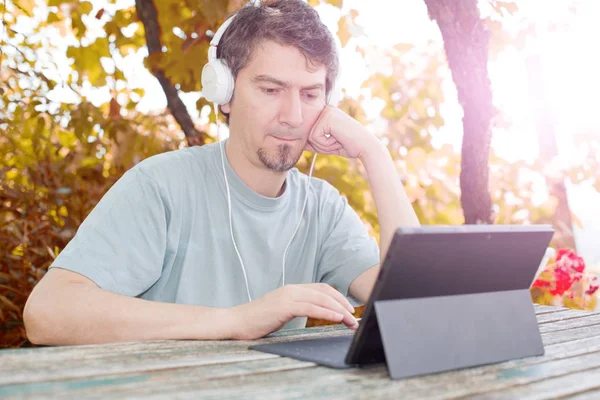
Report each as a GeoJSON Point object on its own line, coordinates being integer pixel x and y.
{"type": "Point", "coordinates": [147, 14]}
{"type": "Point", "coordinates": [466, 41]}
{"type": "Point", "coordinates": [546, 134]}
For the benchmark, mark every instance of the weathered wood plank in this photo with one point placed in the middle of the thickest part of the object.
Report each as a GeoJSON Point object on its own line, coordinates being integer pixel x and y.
{"type": "Point", "coordinates": [317, 381]}
{"type": "Point", "coordinates": [165, 359]}
{"type": "Point", "coordinates": [540, 310]}
{"type": "Point", "coordinates": [570, 334]}
{"type": "Point", "coordinates": [590, 320]}
{"type": "Point", "coordinates": [562, 315]}
{"type": "Point", "coordinates": [193, 379]}
{"type": "Point", "coordinates": [51, 363]}
{"type": "Point", "coordinates": [375, 384]}
{"type": "Point", "coordinates": [43, 364]}
{"type": "Point", "coordinates": [593, 394]}
{"type": "Point", "coordinates": [125, 382]}
{"type": "Point", "coordinates": [561, 386]}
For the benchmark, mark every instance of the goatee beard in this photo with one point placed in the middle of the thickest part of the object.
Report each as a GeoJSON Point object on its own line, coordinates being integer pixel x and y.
{"type": "Point", "coordinates": [279, 160]}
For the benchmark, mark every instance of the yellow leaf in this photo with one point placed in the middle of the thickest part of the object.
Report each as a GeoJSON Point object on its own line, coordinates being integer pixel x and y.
{"type": "Point", "coordinates": [66, 138]}
{"type": "Point", "coordinates": [18, 251]}
{"type": "Point", "coordinates": [26, 6]}
{"type": "Point", "coordinates": [344, 31]}
{"type": "Point", "coordinates": [58, 2]}
{"type": "Point", "coordinates": [53, 17]}
{"type": "Point", "coordinates": [85, 7]}
{"type": "Point", "coordinates": [335, 3]}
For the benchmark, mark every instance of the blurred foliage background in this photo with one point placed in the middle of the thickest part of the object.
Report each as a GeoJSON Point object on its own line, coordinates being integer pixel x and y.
{"type": "Point", "coordinates": [70, 124]}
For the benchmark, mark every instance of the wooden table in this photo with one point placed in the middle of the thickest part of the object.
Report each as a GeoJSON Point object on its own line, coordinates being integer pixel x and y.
{"type": "Point", "coordinates": [226, 370]}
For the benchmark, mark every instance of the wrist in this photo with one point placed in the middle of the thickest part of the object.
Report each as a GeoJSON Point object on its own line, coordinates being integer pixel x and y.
{"type": "Point", "coordinates": [213, 323]}
{"type": "Point", "coordinates": [227, 318]}
{"type": "Point", "coordinates": [374, 151]}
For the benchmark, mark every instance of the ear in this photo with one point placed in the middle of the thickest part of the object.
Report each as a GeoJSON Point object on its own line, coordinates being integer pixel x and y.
{"type": "Point", "coordinates": [226, 108]}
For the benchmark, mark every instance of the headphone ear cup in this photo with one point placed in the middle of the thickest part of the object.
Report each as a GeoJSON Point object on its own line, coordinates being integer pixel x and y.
{"type": "Point", "coordinates": [217, 82]}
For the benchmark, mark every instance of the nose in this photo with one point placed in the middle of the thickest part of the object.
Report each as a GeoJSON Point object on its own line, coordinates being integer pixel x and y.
{"type": "Point", "coordinates": [291, 110]}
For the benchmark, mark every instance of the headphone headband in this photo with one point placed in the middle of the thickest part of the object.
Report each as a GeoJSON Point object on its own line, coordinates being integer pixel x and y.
{"type": "Point", "coordinates": [214, 43]}
{"type": "Point", "coordinates": [217, 79]}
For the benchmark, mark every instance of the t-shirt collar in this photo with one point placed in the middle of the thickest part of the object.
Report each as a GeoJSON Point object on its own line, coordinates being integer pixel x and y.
{"type": "Point", "coordinates": [242, 191]}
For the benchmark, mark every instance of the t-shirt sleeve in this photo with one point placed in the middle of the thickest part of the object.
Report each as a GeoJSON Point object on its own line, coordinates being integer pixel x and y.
{"type": "Point", "coordinates": [122, 242]}
{"type": "Point", "coordinates": [347, 249]}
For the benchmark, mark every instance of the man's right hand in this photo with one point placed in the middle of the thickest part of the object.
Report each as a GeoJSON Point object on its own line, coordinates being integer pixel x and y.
{"type": "Point", "coordinates": [275, 309]}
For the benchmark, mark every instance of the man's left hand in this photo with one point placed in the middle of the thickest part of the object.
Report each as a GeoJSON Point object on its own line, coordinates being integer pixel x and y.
{"type": "Point", "coordinates": [337, 133]}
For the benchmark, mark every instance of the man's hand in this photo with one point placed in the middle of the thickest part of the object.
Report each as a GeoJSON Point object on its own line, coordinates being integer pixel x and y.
{"type": "Point", "coordinates": [272, 311]}
{"type": "Point", "coordinates": [337, 133]}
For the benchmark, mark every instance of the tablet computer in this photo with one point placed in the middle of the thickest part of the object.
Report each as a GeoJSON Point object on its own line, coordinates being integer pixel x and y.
{"type": "Point", "coordinates": [431, 261]}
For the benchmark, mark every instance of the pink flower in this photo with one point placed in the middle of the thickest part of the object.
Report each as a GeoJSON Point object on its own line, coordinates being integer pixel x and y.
{"type": "Point", "coordinates": [569, 259]}
{"type": "Point", "coordinates": [593, 286]}
{"type": "Point", "coordinates": [541, 283]}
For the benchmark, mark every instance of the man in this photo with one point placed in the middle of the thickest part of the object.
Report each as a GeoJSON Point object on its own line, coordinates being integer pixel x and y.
{"type": "Point", "coordinates": [157, 257]}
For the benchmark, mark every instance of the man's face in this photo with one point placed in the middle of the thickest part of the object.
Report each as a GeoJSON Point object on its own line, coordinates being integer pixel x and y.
{"type": "Point", "coordinates": [276, 102]}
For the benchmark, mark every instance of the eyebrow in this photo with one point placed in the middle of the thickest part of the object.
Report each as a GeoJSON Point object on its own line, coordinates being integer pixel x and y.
{"type": "Point", "coordinates": [267, 78]}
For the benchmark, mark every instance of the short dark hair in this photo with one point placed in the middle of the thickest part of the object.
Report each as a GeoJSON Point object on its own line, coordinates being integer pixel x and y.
{"type": "Point", "coordinates": [287, 22]}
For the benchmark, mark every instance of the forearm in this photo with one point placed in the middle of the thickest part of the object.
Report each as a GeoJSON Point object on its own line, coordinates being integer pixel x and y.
{"type": "Point", "coordinates": [391, 201]}
{"type": "Point", "coordinates": [83, 314]}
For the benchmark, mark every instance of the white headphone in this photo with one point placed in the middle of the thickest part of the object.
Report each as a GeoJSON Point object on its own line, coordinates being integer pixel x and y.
{"type": "Point", "coordinates": [217, 88]}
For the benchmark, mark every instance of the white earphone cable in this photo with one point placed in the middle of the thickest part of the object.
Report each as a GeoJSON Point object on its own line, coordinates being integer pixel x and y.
{"type": "Point", "coordinates": [301, 215]}
{"type": "Point", "coordinates": [229, 203]}
{"type": "Point", "coordinates": [216, 109]}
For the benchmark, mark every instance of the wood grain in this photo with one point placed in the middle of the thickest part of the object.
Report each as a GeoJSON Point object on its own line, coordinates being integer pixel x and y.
{"type": "Point", "coordinates": [227, 369]}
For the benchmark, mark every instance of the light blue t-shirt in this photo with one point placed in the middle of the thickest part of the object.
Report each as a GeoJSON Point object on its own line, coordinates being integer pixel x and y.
{"type": "Point", "coordinates": [162, 233]}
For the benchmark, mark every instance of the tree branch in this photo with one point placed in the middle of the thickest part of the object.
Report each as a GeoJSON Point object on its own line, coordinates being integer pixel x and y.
{"type": "Point", "coordinates": [147, 14]}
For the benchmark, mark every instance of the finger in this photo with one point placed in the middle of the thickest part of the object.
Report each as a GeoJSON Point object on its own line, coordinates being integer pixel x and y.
{"type": "Point", "coordinates": [314, 311]}
{"type": "Point", "coordinates": [326, 300]}
{"type": "Point", "coordinates": [330, 149]}
{"type": "Point", "coordinates": [323, 138]}
{"type": "Point", "coordinates": [334, 293]}
{"type": "Point", "coordinates": [333, 147]}
{"type": "Point", "coordinates": [317, 127]}
{"type": "Point", "coordinates": [321, 299]}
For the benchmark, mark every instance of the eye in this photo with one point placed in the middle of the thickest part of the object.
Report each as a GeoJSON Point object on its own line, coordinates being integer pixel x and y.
{"type": "Point", "coordinates": [311, 95]}
{"type": "Point", "coordinates": [270, 90]}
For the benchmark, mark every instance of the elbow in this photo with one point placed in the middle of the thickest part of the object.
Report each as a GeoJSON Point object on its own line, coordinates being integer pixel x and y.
{"type": "Point", "coordinates": [33, 321]}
